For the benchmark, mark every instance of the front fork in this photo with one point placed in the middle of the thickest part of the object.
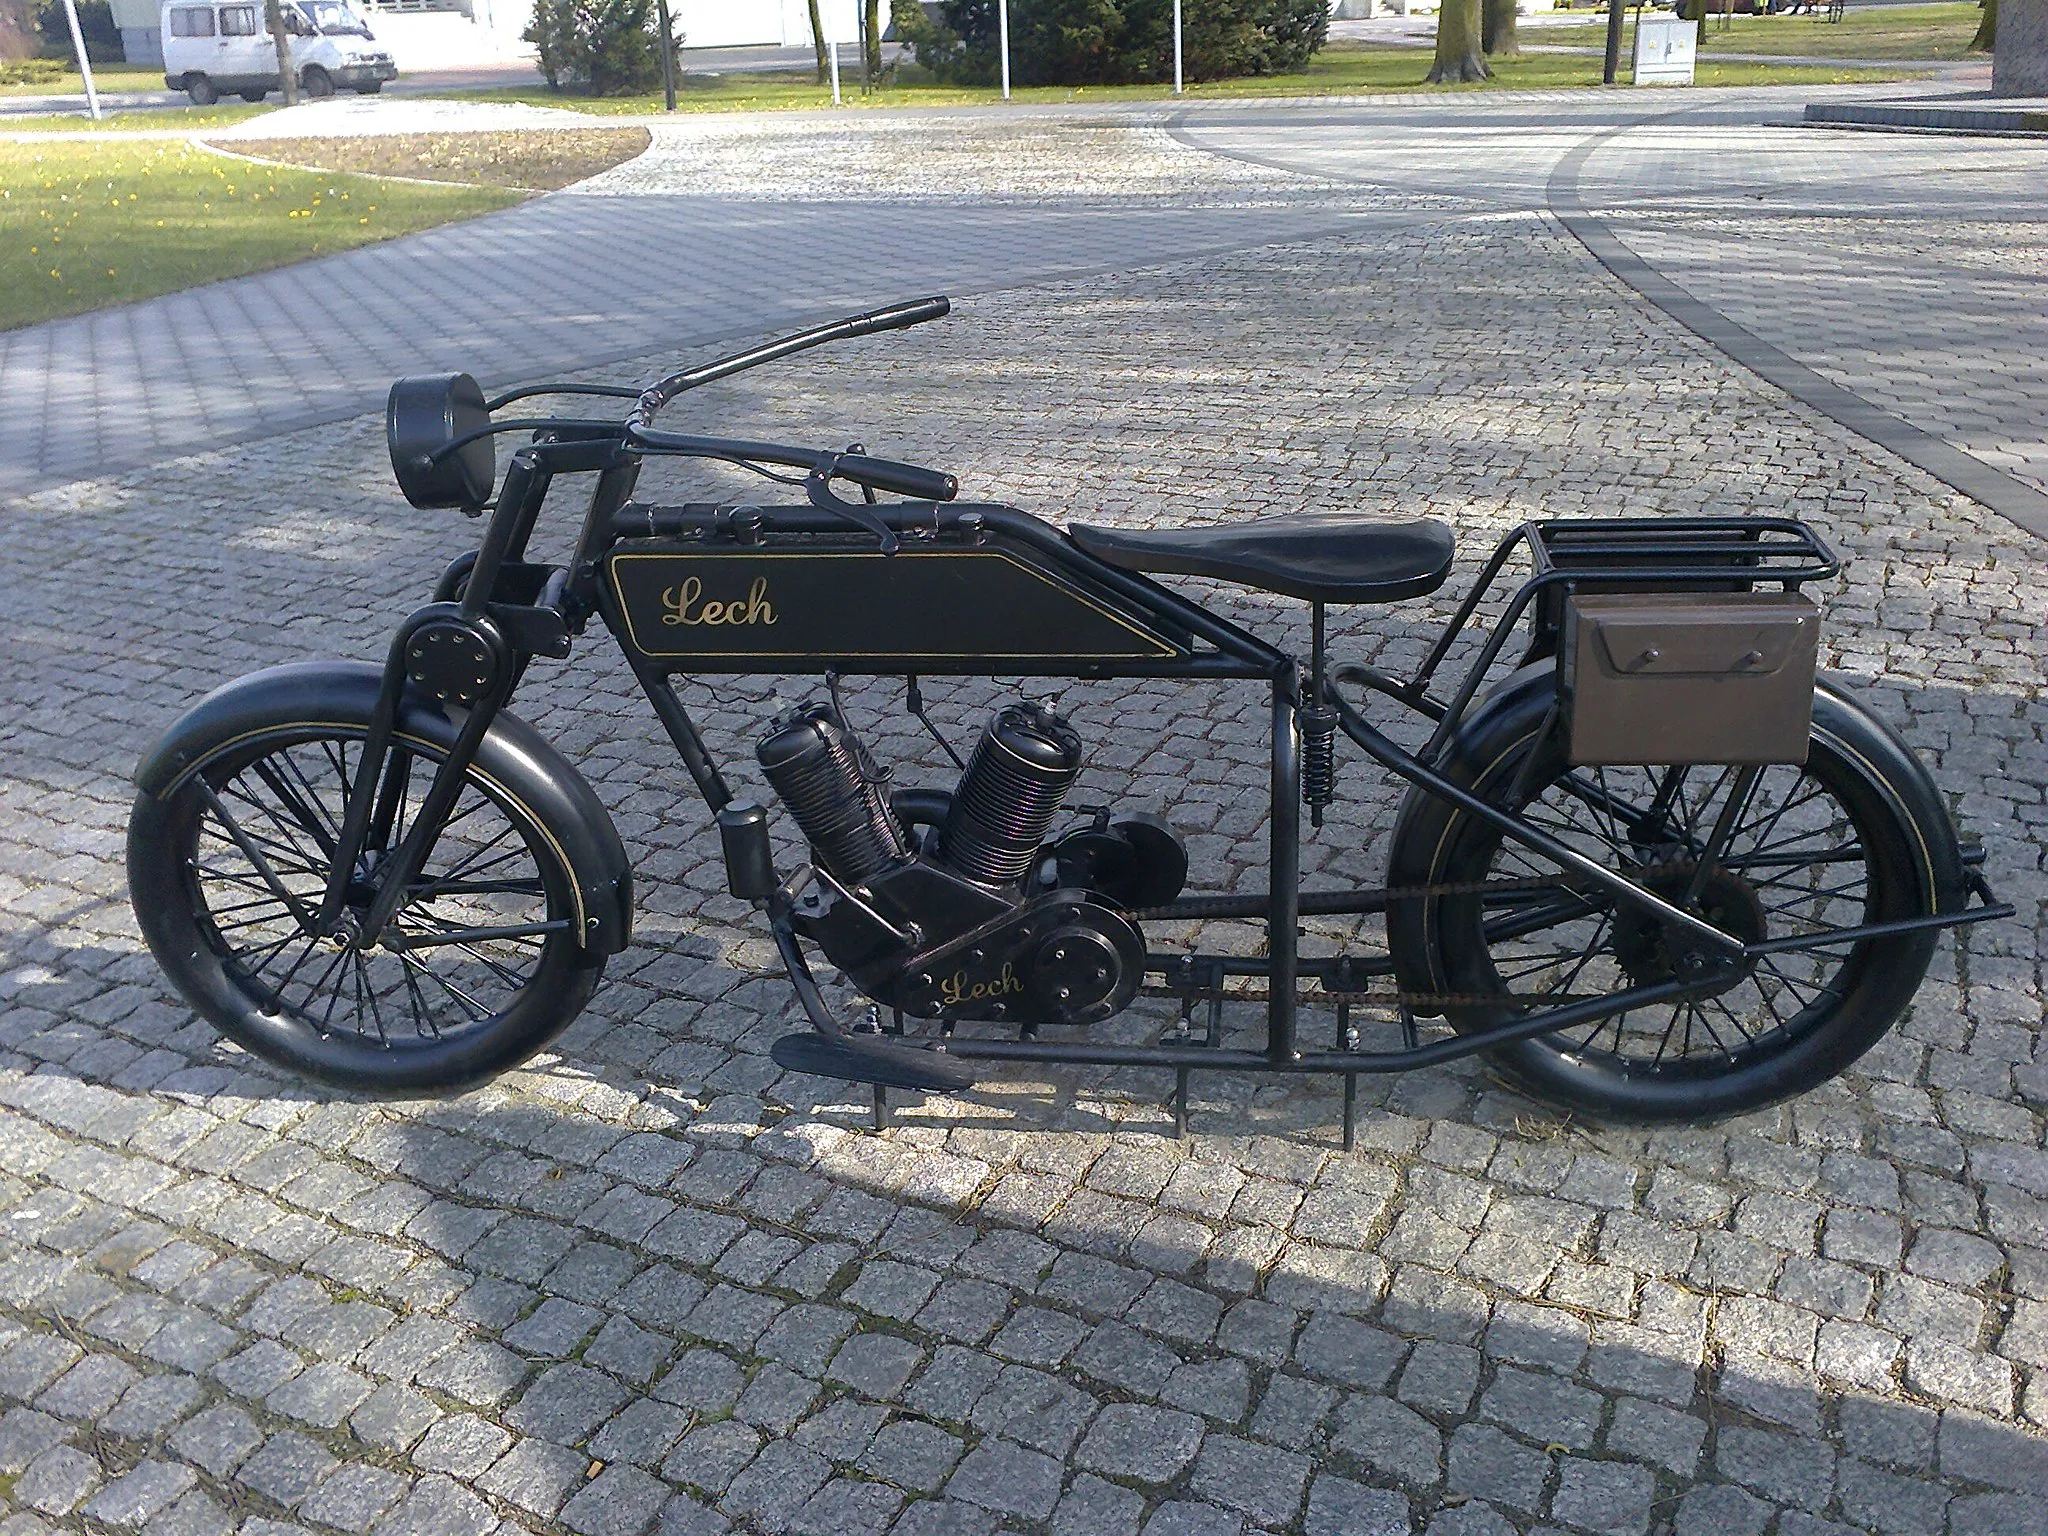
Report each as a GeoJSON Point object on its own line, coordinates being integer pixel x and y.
{"type": "Point", "coordinates": [456, 652]}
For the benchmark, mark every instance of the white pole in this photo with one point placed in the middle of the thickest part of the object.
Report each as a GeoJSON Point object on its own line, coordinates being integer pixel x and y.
{"type": "Point", "coordinates": [92, 95]}
{"type": "Point", "coordinates": [1003, 41]}
{"type": "Point", "coordinates": [1176, 47]}
{"type": "Point", "coordinates": [835, 71]}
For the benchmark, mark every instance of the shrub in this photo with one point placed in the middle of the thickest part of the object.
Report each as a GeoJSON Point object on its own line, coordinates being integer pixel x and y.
{"type": "Point", "coordinates": [1114, 42]}
{"type": "Point", "coordinates": [95, 24]}
{"type": "Point", "coordinates": [606, 47]}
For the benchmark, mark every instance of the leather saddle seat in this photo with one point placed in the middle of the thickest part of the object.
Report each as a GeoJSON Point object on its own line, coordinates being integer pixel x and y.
{"type": "Point", "coordinates": [1329, 557]}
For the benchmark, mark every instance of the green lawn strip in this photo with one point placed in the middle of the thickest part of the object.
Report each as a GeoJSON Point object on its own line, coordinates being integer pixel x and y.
{"type": "Point", "coordinates": [1883, 32]}
{"type": "Point", "coordinates": [1337, 71]}
{"type": "Point", "coordinates": [86, 225]}
{"type": "Point", "coordinates": [106, 77]}
{"type": "Point", "coordinates": [176, 119]}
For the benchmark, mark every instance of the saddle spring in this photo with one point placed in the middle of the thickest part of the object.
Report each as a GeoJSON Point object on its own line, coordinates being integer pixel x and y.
{"type": "Point", "coordinates": [1318, 759]}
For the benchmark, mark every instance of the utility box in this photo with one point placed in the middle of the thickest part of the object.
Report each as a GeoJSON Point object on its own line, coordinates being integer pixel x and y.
{"type": "Point", "coordinates": [1666, 49]}
{"type": "Point", "coordinates": [1689, 677]}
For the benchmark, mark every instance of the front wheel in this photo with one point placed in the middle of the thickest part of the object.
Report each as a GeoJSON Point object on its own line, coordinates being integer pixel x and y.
{"type": "Point", "coordinates": [1854, 836]}
{"type": "Point", "coordinates": [478, 969]}
{"type": "Point", "coordinates": [316, 82]}
{"type": "Point", "coordinates": [371, 88]}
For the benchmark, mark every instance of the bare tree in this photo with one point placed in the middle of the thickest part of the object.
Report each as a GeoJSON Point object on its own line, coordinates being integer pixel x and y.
{"type": "Point", "coordinates": [1987, 29]}
{"type": "Point", "coordinates": [818, 41]}
{"type": "Point", "coordinates": [1457, 44]}
{"type": "Point", "coordinates": [873, 14]}
{"type": "Point", "coordinates": [1497, 29]}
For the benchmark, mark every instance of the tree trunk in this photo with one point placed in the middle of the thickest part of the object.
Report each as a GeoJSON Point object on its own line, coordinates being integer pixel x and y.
{"type": "Point", "coordinates": [818, 41]}
{"type": "Point", "coordinates": [274, 16]}
{"type": "Point", "coordinates": [1457, 44]}
{"type": "Point", "coordinates": [873, 9]}
{"type": "Point", "coordinates": [1987, 29]}
{"type": "Point", "coordinates": [1497, 29]}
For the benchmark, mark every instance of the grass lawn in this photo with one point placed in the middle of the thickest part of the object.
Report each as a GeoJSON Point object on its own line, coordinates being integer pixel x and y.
{"type": "Point", "coordinates": [1878, 32]}
{"type": "Point", "coordinates": [83, 225]}
{"type": "Point", "coordinates": [1337, 71]}
{"type": "Point", "coordinates": [159, 119]}
{"type": "Point", "coordinates": [526, 159]}
{"type": "Point", "coordinates": [105, 77]}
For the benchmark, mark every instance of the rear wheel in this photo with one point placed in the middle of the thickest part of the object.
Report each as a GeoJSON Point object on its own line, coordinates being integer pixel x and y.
{"type": "Point", "coordinates": [204, 92]}
{"type": "Point", "coordinates": [479, 967]}
{"type": "Point", "coordinates": [1828, 845]}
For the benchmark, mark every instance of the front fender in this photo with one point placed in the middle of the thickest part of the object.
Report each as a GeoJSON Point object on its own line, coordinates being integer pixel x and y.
{"type": "Point", "coordinates": [513, 757]}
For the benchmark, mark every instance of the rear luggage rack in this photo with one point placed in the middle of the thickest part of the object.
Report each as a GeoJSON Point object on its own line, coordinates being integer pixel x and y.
{"type": "Point", "coordinates": [1605, 555]}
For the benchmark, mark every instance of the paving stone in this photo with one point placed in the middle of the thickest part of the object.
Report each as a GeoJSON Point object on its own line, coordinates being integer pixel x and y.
{"type": "Point", "coordinates": [1150, 1445]}
{"type": "Point", "coordinates": [1716, 1509]}
{"type": "Point", "coordinates": [1009, 1479]}
{"type": "Point", "coordinates": [875, 1364]}
{"type": "Point", "coordinates": [287, 1467]}
{"type": "Point", "coordinates": [1337, 1507]}
{"type": "Point", "coordinates": [1261, 1482]}
{"type": "Point", "coordinates": [1488, 1465]}
{"type": "Point", "coordinates": [462, 1445]}
{"type": "Point", "coordinates": [566, 1404]}
{"type": "Point", "coordinates": [623, 1501]}
{"type": "Point", "coordinates": [535, 1475]}
{"type": "Point", "coordinates": [219, 1439]}
{"type": "Point", "coordinates": [641, 1434]}
{"type": "Point", "coordinates": [775, 1399]}
{"type": "Point", "coordinates": [779, 1482]}
{"type": "Point", "coordinates": [354, 1497]}
{"type": "Point", "coordinates": [1603, 1496]}
{"type": "Point", "coordinates": [57, 1481]}
{"type": "Point", "coordinates": [1092, 1507]}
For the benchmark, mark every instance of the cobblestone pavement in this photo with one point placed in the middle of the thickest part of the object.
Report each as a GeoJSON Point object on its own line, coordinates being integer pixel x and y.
{"type": "Point", "coordinates": [650, 1278]}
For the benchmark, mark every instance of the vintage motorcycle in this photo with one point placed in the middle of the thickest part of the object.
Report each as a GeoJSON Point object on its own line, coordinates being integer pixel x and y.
{"type": "Point", "coordinates": [1651, 867]}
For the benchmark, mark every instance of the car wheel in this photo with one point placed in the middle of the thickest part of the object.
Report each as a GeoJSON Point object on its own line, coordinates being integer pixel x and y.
{"type": "Point", "coordinates": [371, 89]}
{"type": "Point", "coordinates": [204, 92]}
{"type": "Point", "coordinates": [253, 96]}
{"type": "Point", "coordinates": [317, 83]}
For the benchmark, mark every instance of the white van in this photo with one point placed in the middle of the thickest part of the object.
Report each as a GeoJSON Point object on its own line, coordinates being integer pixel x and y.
{"type": "Point", "coordinates": [216, 47]}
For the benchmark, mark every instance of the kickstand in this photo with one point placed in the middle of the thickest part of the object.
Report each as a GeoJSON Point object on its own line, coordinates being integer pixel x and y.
{"type": "Point", "coordinates": [1180, 1103]}
{"type": "Point", "coordinates": [881, 1107]}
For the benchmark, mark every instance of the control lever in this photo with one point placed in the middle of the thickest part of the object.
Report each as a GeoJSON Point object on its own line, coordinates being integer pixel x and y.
{"type": "Point", "coordinates": [818, 491]}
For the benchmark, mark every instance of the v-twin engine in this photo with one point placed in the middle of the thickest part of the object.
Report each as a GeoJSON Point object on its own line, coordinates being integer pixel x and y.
{"type": "Point", "coordinates": [955, 905]}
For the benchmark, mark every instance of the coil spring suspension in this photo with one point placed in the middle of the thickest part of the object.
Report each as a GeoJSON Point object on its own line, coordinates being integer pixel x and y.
{"type": "Point", "coordinates": [1318, 759]}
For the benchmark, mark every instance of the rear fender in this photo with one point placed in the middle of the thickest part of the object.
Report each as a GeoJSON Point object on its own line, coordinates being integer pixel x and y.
{"type": "Point", "coordinates": [1519, 708]}
{"type": "Point", "coordinates": [513, 757]}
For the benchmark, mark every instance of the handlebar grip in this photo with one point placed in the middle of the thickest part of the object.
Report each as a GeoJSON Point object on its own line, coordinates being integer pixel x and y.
{"type": "Point", "coordinates": [910, 480]}
{"type": "Point", "coordinates": [897, 316]}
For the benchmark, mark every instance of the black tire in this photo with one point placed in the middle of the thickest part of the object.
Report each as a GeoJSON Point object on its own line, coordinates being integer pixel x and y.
{"type": "Point", "coordinates": [1856, 835]}
{"type": "Point", "coordinates": [438, 1016]}
{"type": "Point", "coordinates": [253, 97]}
{"type": "Point", "coordinates": [204, 92]}
{"type": "Point", "coordinates": [316, 83]}
{"type": "Point", "coordinates": [371, 89]}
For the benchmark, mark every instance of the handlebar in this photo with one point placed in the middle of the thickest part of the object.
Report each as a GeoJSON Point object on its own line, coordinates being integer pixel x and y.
{"type": "Point", "coordinates": [894, 318]}
{"type": "Point", "coordinates": [912, 480]}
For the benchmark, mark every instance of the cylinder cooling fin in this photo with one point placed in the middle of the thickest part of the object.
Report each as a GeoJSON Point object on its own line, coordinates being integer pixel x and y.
{"type": "Point", "coordinates": [1023, 766]}
{"type": "Point", "coordinates": [835, 793]}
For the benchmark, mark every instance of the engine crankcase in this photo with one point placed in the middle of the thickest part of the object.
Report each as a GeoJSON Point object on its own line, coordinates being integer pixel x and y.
{"type": "Point", "coordinates": [1064, 958]}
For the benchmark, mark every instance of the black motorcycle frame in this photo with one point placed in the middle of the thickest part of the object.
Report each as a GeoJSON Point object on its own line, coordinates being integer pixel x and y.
{"type": "Point", "coordinates": [494, 611]}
